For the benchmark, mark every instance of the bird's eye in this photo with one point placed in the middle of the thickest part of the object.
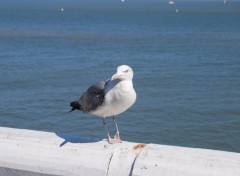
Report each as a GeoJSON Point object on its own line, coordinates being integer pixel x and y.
{"type": "Point", "coordinates": [126, 71]}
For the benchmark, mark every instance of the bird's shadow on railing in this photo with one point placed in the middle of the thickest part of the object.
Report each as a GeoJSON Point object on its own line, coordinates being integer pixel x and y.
{"type": "Point", "coordinates": [76, 139]}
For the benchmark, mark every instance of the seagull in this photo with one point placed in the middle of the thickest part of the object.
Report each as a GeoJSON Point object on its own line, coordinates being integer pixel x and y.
{"type": "Point", "coordinates": [109, 98]}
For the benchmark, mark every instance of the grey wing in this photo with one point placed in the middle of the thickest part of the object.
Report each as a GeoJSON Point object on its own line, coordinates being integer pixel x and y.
{"type": "Point", "coordinates": [93, 97]}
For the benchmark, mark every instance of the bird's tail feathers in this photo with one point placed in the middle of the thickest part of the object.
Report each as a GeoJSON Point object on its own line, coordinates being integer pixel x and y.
{"type": "Point", "coordinates": [75, 105]}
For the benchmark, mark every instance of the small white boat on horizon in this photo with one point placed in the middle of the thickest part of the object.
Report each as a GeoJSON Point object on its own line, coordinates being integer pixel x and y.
{"type": "Point", "coordinates": [226, 2]}
{"type": "Point", "coordinates": [171, 2]}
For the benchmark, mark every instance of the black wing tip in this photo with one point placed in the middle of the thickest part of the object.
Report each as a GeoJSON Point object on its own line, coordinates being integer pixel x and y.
{"type": "Point", "coordinates": [74, 106]}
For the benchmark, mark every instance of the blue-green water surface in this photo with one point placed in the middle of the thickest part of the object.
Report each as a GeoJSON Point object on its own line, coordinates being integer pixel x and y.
{"type": "Point", "coordinates": [186, 65]}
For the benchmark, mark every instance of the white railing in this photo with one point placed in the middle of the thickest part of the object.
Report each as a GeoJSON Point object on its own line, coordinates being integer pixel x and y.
{"type": "Point", "coordinates": [33, 152]}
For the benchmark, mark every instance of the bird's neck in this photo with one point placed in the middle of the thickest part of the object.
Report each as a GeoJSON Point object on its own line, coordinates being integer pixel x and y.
{"type": "Point", "coordinates": [125, 85]}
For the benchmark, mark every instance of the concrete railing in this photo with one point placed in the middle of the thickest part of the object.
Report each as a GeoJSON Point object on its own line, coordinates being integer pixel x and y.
{"type": "Point", "coordinates": [27, 152]}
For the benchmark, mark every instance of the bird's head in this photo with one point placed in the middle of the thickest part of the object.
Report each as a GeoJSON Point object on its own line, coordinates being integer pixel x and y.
{"type": "Point", "coordinates": [124, 72]}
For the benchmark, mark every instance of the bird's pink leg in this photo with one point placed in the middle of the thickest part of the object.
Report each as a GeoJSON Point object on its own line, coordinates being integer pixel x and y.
{"type": "Point", "coordinates": [107, 131]}
{"type": "Point", "coordinates": [117, 134]}
{"type": "Point", "coordinates": [110, 140]}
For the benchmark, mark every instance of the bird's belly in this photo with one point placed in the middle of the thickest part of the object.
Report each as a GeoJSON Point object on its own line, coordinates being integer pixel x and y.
{"type": "Point", "coordinates": [116, 104]}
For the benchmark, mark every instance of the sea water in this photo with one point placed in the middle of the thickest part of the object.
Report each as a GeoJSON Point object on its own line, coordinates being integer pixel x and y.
{"type": "Point", "coordinates": [186, 68]}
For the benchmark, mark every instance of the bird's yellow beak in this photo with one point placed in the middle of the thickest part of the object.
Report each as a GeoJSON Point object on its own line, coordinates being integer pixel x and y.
{"type": "Point", "coordinates": [115, 76]}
